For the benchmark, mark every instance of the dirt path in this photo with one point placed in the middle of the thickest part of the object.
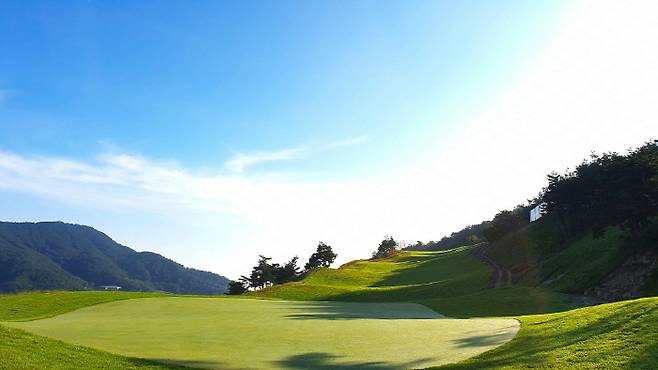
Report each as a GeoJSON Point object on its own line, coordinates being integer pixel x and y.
{"type": "Point", "coordinates": [501, 277]}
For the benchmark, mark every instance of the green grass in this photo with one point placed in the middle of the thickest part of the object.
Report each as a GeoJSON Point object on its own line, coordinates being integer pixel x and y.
{"type": "Point", "coordinates": [23, 350]}
{"type": "Point", "coordinates": [330, 334]}
{"type": "Point", "coordinates": [39, 305]}
{"type": "Point", "coordinates": [451, 282]}
{"type": "Point", "coordinates": [538, 257]}
{"type": "Point", "coordinates": [621, 335]}
{"type": "Point", "coordinates": [246, 333]}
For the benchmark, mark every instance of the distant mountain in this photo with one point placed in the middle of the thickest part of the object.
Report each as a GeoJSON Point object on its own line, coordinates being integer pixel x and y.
{"type": "Point", "coordinates": [56, 255]}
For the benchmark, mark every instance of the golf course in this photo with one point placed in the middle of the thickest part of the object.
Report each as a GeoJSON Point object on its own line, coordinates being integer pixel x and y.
{"type": "Point", "coordinates": [246, 333]}
{"type": "Point", "coordinates": [334, 319]}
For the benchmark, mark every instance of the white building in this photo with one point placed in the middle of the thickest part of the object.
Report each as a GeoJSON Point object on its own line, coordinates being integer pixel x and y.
{"type": "Point", "coordinates": [110, 287]}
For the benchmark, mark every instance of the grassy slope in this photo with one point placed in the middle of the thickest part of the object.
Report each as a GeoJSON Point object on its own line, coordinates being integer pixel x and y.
{"type": "Point", "coordinates": [451, 282]}
{"type": "Point", "coordinates": [621, 335]}
{"type": "Point", "coordinates": [537, 256]}
{"type": "Point", "coordinates": [618, 335]}
{"type": "Point", "coordinates": [22, 350]}
{"type": "Point", "coordinates": [39, 305]}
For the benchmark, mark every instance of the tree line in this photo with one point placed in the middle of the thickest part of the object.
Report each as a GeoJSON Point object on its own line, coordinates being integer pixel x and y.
{"type": "Point", "coordinates": [604, 190]}
{"type": "Point", "coordinates": [266, 273]}
{"type": "Point", "coordinates": [469, 235]}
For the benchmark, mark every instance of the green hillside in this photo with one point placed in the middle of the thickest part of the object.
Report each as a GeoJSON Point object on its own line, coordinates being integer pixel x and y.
{"type": "Point", "coordinates": [452, 282]}
{"type": "Point", "coordinates": [59, 256]}
{"type": "Point", "coordinates": [621, 335]}
{"type": "Point", "coordinates": [537, 256]}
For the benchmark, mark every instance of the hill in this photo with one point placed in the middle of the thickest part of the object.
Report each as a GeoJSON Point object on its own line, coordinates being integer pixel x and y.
{"type": "Point", "coordinates": [452, 282]}
{"type": "Point", "coordinates": [609, 336]}
{"type": "Point", "coordinates": [59, 256]}
{"type": "Point", "coordinates": [609, 266]}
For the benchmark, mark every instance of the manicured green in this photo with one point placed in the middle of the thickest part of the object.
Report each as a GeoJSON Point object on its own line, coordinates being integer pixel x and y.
{"type": "Point", "coordinates": [245, 333]}
{"type": "Point", "coordinates": [452, 282]}
{"type": "Point", "coordinates": [621, 335]}
{"type": "Point", "coordinates": [39, 305]}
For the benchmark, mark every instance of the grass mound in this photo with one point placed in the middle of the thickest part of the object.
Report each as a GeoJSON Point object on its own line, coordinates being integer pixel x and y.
{"type": "Point", "coordinates": [39, 305]}
{"type": "Point", "coordinates": [248, 333]}
{"type": "Point", "coordinates": [621, 335]}
{"type": "Point", "coordinates": [452, 282]}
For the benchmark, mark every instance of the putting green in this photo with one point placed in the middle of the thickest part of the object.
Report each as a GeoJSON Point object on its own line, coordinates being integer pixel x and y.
{"type": "Point", "coordinates": [246, 333]}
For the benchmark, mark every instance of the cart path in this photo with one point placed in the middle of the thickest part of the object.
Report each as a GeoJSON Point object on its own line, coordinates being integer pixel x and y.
{"type": "Point", "coordinates": [501, 276]}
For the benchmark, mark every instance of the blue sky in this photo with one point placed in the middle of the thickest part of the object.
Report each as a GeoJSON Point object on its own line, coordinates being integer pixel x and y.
{"type": "Point", "coordinates": [198, 82]}
{"type": "Point", "coordinates": [215, 131]}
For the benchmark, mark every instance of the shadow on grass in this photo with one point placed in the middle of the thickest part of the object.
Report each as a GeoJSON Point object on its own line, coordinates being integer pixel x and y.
{"type": "Point", "coordinates": [421, 269]}
{"type": "Point", "coordinates": [204, 364]}
{"type": "Point", "coordinates": [483, 340]}
{"type": "Point", "coordinates": [352, 311]}
{"type": "Point", "coordinates": [327, 361]}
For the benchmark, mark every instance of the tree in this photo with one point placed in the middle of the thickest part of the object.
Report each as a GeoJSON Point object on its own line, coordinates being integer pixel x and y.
{"type": "Point", "coordinates": [287, 272]}
{"type": "Point", "coordinates": [323, 257]}
{"type": "Point", "coordinates": [386, 248]}
{"type": "Point", "coordinates": [606, 190]}
{"type": "Point", "coordinates": [236, 288]}
{"type": "Point", "coordinates": [506, 222]}
{"type": "Point", "coordinates": [261, 275]}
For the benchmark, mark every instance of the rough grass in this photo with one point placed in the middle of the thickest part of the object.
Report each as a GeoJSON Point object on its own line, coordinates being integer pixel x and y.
{"type": "Point", "coordinates": [245, 333]}
{"type": "Point", "coordinates": [38, 305]}
{"type": "Point", "coordinates": [451, 282]}
{"type": "Point", "coordinates": [23, 350]}
{"type": "Point", "coordinates": [538, 257]}
{"type": "Point", "coordinates": [621, 335]}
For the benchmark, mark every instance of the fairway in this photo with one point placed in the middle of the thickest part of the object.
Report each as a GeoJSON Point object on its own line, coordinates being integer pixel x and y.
{"type": "Point", "coordinates": [249, 333]}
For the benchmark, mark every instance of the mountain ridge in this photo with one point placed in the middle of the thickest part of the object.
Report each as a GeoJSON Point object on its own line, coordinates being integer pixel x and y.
{"type": "Point", "coordinates": [54, 255]}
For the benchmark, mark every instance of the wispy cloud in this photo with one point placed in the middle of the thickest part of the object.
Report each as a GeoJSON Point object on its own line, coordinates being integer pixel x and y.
{"type": "Point", "coordinates": [241, 161]}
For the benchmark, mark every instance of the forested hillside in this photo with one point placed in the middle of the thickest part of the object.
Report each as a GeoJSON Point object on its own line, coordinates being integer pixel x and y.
{"type": "Point", "coordinates": [598, 235]}
{"type": "Point", "coordinates": [469, 235]}
{"type": "Point", "coordinates": [55, 255]}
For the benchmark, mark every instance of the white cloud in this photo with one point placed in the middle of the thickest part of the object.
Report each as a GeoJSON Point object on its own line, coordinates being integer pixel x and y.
{"type": "Point", "coordinates": [242, 161]}
{"type": "Point", "coordinates": [592, 88]}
